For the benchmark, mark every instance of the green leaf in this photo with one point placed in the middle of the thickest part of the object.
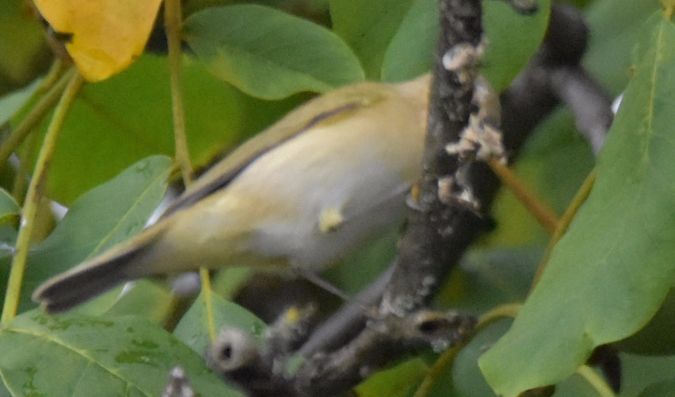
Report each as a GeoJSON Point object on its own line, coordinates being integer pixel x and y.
{"type": "Point", "coordinates": [193, 327]}
{"type": "Point", "coordinates": [119, 121]}
{"type": "Point", "coordinates": [104, 216]}
{"type": "Point", "coordinates": [8, 206]}
{"type": "Point", "coordinates": [512, 40]}
{"type": "Point", "coordinates": [148, 299]}
{"type": "Point", "coordinates": [657, 337]}
{"type": "Point", "coordinates": [368, 27]}
{"type": "Point", "coordinates": [12, 102]}
{"type": "Point", "coordinates": [609, 274]}
{"type": "Point", "coordinates": [394, 382]}
{"type": "Point", "coordinates": [463, 378]}
{"type": "Point", "coordinates": [286, 55]}
{"type": "Point", "coordinates": [22, 36]}
{"type": "Point", "coordinates": [490, 277]}
{"type": "Point", "coordinates": [641, 371]}
{"type": "Point", "coordinates": [615, 25]}
{"type": "Point", "coordinates": [661, 389]}
{"type": "Point", "coordinates": [410, 52]}
{"type": "Point", "coordinates": [73, 356]}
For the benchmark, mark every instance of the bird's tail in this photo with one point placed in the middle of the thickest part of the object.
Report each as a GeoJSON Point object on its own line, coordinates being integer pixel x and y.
{"type": "Point", "coordinates": [97, 275]}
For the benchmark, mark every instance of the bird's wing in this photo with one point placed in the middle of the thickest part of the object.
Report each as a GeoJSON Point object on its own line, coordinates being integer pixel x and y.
{"type": "Point", "coordinates": [327, 108]}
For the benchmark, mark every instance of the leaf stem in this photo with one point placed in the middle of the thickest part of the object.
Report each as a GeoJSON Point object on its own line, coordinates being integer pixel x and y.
{"type": "Point", "coordinates": [35, 190]}
{"type": "Point", "coordinates": [31, 120]}
{"type": "Point", "coordinates": [21, 176]}
{"type": "Point", "coordinates": [565, 221]}
{"type": "Point", "coordinates": [55, 71]}
{"type": "Point", "coordinates": [447, 358]}
{"type": "Point", "coordinates": [207, 291]}
{"type": "Point", "coordinates": [595, 381]}
{"type": "Point", "coordinates": [544, 215]}
{"type": "Point", "coordinates": [506, 310]}
{"type": "Point", "coordinates": [173, 25]}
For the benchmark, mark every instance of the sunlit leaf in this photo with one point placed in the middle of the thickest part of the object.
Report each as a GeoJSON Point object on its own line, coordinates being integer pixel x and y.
{"type": "Point", "coordinates": [104, 36]}
{"type": "Point", "coordinates": [611, 271]}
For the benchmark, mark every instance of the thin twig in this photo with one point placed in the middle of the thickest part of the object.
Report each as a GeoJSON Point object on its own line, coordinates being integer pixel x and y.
{"type": "Point", "coordinates": [32, 119]}
{"type": "Point", "coordinates": [544, 215]}
{"type": "Point", "coordinates": [35, 190]}
{"type": "Point", "coordinates": [56, 71]}
{"type": "Point", "coordinates": [346, 322]}
{"type": "Point", "coordinates": [173, 25]}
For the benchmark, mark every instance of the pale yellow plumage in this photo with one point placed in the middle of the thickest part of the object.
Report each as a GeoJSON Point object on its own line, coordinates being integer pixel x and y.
{"type": "Point", "coordinates": [303, 193]}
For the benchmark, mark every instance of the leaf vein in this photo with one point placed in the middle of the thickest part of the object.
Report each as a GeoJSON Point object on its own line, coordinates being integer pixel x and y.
{"type": "Point", "coordinates": [82, 353]}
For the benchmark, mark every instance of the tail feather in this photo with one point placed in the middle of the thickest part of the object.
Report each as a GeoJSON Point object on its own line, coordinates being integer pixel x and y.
{"type": "Point", "coordinates": [95, 276]}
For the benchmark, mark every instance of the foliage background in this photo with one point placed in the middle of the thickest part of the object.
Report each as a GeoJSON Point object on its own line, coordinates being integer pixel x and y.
{"type": "Point", "coordinates": [111, 166]}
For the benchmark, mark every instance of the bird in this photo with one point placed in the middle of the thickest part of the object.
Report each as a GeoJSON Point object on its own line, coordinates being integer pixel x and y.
{"type": "Point", "coordinates": [303, 193]}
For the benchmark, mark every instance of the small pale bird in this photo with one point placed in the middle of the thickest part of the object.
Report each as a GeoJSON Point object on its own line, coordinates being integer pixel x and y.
{"type": "Point", "coordinates": [302, 193]}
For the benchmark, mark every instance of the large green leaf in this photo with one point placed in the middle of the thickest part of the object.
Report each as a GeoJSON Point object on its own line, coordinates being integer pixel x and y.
{"type": "Point", "coordinates": [369, 26]}
{"type": "Point", "coordinates": [193, 327]}
{"type": "Point", "coordinates": [284, 55]}
{"type": "Point", "coordinates": [101, 218]}
{"type": "Point", "coordinates": [611, 271]}
{"type": "Point", "coordinates": [117, 122]}
{"type": "Point", "coordinates": [73, 356]}
{"type": "Point", "coordinates": [614, 26]}
{"type": "Point", "coordinates": [512, 40]}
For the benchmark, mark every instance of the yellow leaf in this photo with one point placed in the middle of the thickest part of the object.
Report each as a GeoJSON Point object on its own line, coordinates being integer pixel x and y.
{"type": "Point", "coordinates": [107, 35]}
